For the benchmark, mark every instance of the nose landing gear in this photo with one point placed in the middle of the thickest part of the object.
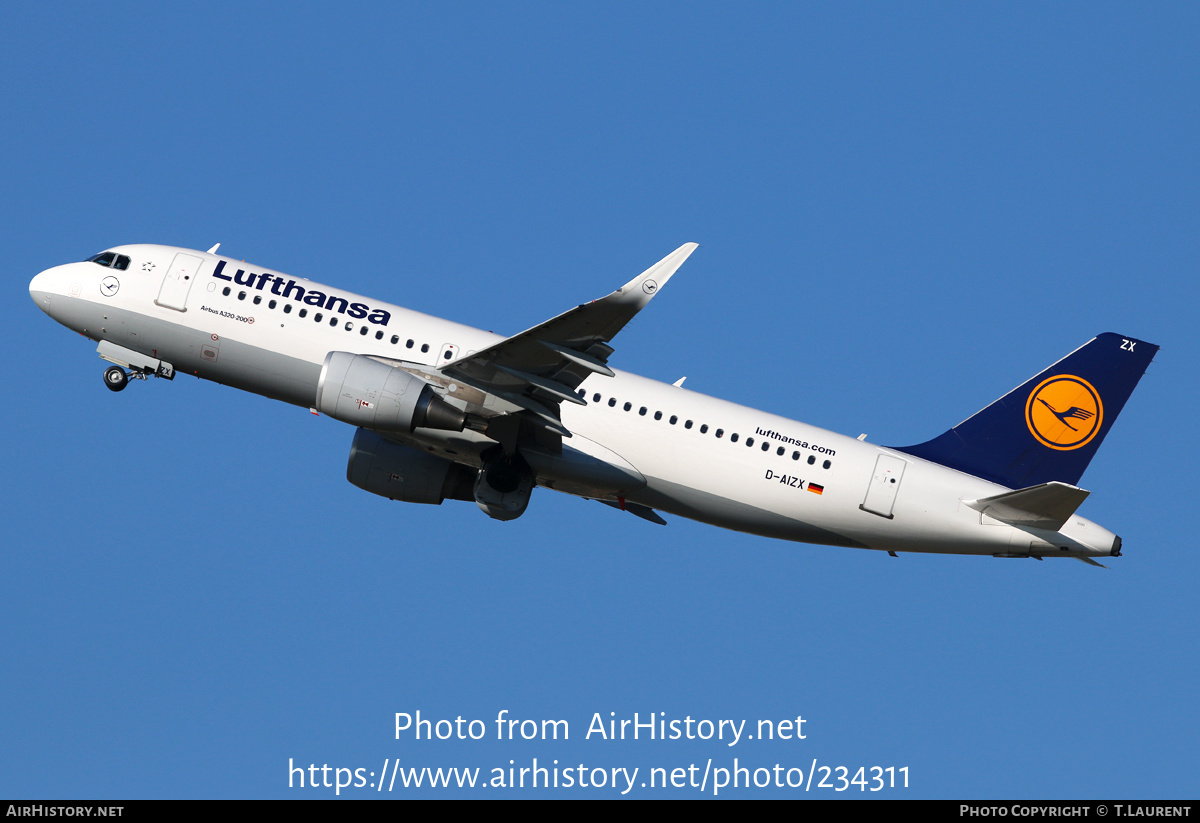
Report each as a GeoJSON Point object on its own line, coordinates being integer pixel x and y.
{"type": "Point", "coordinates": [115, 378]}
{"type": "Point", "coordinates": [140, 366]}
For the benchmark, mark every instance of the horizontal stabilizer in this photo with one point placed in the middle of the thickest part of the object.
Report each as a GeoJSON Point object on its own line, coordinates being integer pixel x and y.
{"type": "Point", "coordinates": [1047, 506]}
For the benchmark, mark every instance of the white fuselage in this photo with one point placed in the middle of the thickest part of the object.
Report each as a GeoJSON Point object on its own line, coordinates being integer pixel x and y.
{"type": "Point", "coordinates": [677, 451]}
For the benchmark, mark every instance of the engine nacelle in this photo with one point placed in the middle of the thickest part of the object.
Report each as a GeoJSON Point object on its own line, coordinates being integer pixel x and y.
{"type": "Point", "coordinates": [503, 486]}
{"type": "Point", "coordinates": [364, 392]}
{"type": "Point", "coordinates": [399, 473]}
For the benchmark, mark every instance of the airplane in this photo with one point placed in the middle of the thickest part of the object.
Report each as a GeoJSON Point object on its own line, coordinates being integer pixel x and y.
{"type": "Point", "coordinates": [445, 411]}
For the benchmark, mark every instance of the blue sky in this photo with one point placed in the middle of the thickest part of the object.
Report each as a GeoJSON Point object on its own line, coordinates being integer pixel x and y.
{"type": "Point", "coordinates": [904, 210]}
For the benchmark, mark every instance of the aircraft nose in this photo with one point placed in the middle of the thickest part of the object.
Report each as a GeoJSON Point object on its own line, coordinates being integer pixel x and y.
{"type": "Point", "coordinates": [41, 289]}
{"type": "Point", "coordinates": [53, 285]}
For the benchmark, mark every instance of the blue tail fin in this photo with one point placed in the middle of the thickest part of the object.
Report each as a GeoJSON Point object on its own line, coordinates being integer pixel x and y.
{"type": "Point", "coordinates": [1049, 427]}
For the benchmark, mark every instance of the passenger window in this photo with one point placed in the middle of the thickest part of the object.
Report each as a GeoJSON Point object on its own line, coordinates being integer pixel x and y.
{"type": "Point", "coordinates": [395, 339]}
{"type": "Point", "coordinates": [333, 322]}
{"type": "Point", "coordinates": [318, 317]}
{"type": "Point", "coordinates": [287, 308]}
{"type": "Point", "coordinates": [350, 326]}
{"type": "Point", "coordinates": [687, 424]}
{"type": "Point", "coordinates": [378, 334]}
{"type": "Point", "coordinates": [811, 459]}
{"type": "Point", "coordinates": [721, 433]}
{"type": "Point", "coordinates": [826, 464]}
{"type": "Point", "coordinates": [225, 291]}
{"type": "Point", "coordinates": [642, 411]}
{"type": "Point", "coordinates": [767, 447]}
{"type": "Point", "coordinates": [241, 295]}
{"type": "Point", "coordinates": [733, 438]}
{"type": "Point", "coordinates": [795, 455]}
{"type": "Point", "coordinates": [778, 452]}
{"type": "Point", "coordinates": [271, 305]}
{"type": "Point", "coordinates": [704, 429]}
{"type": "Point", "coordinates": [673, 420]}
{"type": "Point", "coordinates": [658, 416]}
{"type": "Point", "coordinates": [408, 345]}
{"type": "Point", "coordinates": [304, 312]}
{"type": "Point", "coordinates": [424, 347]}
{"type": "Point", "coordinates": [628, 406]}
{"type": "Point", "coordinates": [595, 398]}
{"type": "Point", "coordinates": [612, 401]}
{"type": "Point", "coordinates": [257, 299]}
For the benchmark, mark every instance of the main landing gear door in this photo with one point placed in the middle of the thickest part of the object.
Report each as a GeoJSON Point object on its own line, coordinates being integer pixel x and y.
{"type": "Point", "coordinates": [178, 281]}
{"type": "Point", "coordinates": [885, 482]}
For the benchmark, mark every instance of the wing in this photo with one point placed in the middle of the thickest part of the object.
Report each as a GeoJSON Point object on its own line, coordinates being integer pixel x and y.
{"type": "Point", "coordinates": [541, 367]}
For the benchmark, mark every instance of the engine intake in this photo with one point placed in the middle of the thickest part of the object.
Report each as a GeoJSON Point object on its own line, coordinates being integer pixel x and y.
{"type": "Point", "coordinates": [361, 391]}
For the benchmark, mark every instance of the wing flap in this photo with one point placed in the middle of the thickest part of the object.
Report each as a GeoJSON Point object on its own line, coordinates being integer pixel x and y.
{"type": "Point", "coordinates": [644, 512]}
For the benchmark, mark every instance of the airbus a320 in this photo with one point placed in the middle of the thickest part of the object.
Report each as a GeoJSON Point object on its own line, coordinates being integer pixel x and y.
{"type": "Point", "coordinates": [444, 411]}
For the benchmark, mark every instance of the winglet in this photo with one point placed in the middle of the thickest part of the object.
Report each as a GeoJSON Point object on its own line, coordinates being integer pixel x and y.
{"type": "Point", "coordinates": [640, 289]}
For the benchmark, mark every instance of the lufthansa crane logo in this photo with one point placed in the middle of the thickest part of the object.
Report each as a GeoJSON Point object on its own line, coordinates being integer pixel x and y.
{"type": "Point", "coordinates": [1064, 412]}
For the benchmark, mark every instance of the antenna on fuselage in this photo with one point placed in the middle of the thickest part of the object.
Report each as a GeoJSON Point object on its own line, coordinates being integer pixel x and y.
{"type": "Point", "coordinates": [213, 250]}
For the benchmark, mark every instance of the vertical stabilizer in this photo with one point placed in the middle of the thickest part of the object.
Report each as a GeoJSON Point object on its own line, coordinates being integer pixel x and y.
{"type": "Point", "coordinates": [1048, 428]}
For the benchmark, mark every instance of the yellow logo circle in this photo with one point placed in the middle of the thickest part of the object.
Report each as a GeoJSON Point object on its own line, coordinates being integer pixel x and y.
{"type": "Point", "coordinates": [1064, 412]}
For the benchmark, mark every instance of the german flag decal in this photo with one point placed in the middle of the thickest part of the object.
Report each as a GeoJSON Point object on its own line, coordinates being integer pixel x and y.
{"type": "Point", "coordinates": [816, 488]}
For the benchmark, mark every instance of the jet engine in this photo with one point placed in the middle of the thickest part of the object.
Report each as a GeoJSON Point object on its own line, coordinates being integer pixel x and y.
{"type": "Point", "coordinates": [400, 473]}
{"type": "Point", "coordinates": [359, 390]}
{"type": "Point", "coordinates": [503, 486]}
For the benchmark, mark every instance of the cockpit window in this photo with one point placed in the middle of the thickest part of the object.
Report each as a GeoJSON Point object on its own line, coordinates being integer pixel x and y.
{"type": "Point", "coordinates": [110, 259]}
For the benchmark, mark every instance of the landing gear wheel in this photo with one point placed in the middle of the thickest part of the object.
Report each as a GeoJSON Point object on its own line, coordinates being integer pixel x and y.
{"type": "Point", "coordinates": [115, 378]}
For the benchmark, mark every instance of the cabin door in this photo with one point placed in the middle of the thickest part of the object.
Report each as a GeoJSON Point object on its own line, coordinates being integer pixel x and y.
{"type": "Point", "coordinates": [885, 482]}
{"type": "Point", "coordinates": [178, 281]}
